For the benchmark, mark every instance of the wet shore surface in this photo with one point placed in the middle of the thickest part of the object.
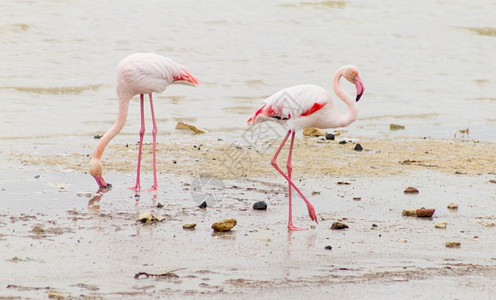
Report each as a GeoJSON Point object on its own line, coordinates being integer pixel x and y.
{"type": "Point", "coordinates": [59, 237]}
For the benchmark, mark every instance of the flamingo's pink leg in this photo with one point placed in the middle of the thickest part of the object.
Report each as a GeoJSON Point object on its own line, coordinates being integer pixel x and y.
{"type": "Point", "coordinates": [141, 133]}
{"type": "Point", "coordinates": [289, 166]}
{"type": "Point", "coordinates": [154, 134]}
{"type": "Point", "coordinates": [311, 210]}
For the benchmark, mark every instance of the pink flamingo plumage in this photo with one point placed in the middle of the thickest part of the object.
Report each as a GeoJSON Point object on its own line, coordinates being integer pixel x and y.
{"type": "Point", "coordinates": [139, 73]}
{"type": "Point", "coordinates": [304, 106]}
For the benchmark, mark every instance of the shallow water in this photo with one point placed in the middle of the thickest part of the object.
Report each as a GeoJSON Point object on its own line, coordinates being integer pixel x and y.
{"type": "Point", "coordinates": [426, 65]}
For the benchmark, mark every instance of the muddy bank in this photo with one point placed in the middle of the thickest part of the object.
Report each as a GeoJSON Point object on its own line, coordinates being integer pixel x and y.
{"type": "Point", "coordinates": [313, 156]}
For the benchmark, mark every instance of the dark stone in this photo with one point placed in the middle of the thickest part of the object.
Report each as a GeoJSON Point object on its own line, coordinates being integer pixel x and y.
{"type": "Point", "coordinates": [411, 190]}
{"type": "Point", "coordinates": [98, 136]}
{"type": "Point", "coordinates": [338, 225]}
{"type": "Point", "coordinates": [37, 176]}
{"type": "Point", "coordinates": [358, 147]}
{"type": "Point", "coordinates": [342, 142]}
{"type": "Point", "coordinates": [160, 205]}
{"type": "Point", "coordinates": [328, 247]}
{"type": "Point", "coordinates": [260, 205]}
{"type": "Point", "coordinates": [330, 136]}
{"type": "Point", "coordinates": [203, 205]}
{"type": "Point", "coordinates": [374, 225]}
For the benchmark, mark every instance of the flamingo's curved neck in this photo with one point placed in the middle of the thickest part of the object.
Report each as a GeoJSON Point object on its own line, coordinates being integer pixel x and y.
{"type": "Point", "coordinates": [352, 114]}
{"type": "Point", "coordinates": [115, 129]}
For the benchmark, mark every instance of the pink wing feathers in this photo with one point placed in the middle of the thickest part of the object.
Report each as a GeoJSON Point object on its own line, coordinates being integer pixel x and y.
{"type": "Point", "coordinates": [144, 73]}
{"type": "Point", "coordinates": [293, 102]}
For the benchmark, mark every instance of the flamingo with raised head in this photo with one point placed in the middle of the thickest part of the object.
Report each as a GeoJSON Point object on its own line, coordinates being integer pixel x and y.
{"type": "Point", "coordinates": [139, 73]}
{"type": "Point", "coordinates": [304, 106]}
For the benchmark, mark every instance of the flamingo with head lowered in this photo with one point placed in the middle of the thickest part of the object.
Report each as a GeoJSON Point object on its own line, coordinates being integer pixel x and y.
{"type": "Point", "coordinates": [139, 73]}
{"type": "Point", "coordinates": [304, 106]}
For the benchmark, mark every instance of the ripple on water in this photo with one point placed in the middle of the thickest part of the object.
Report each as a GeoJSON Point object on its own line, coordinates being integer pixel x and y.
{"type": "Point", "coordinates": [65, 90]}
{"type": "Point", "coordinates": [485, 31]}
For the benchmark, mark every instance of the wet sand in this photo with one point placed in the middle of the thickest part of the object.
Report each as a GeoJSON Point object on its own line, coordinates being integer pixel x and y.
{"type": "Point", "coordinates": [58, 241]}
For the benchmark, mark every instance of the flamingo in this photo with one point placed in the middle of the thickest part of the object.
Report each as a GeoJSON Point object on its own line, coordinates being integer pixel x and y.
{"type": "Point", "coordinates": [304, 106]}
{"type": "Point", "coordinates": [139, 73]}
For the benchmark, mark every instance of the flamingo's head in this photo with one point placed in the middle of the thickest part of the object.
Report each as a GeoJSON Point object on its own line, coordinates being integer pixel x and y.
{"type": "Point", "coordinates": [351, 74]}
{"type": "Point", "coordinates": [96, 169]}
{"type": "Point", "coordinates": [186, 78]}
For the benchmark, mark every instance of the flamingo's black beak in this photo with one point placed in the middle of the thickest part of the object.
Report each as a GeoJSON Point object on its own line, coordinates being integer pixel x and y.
{"type": "Point", "coordinates": [360, 88]}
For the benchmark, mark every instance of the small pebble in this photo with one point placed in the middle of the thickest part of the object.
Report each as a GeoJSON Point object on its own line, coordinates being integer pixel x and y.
{"type": "Point", "coordinates": [160, 205]}
{"type": "Point", "coordinates": [374, 225]}
{"type": "Point", "coordinates": [393, 127]}
{"type": "Point", "coordinates": [37, 176]}
{"type": "Point", "coordinates": [189, 226]}
{"type": "Point", "coordinates": [452, 205]}
{"type": "Point", "coordinates": [411, 190]}
{"type": "Point", "coordinates": [224, 225]}
{"type": "Point", "coordinates": [260, 205]}
{"type": "Point", "coordinates": [328, 247]}
{"type": "Point", "coordinates": [203, 205]}
{"type": "Point", "coordinates": [453, 244]}
{"type": "Point", "coordinates": [342, 142]}
{"type": "Point", "coordinates": [425, 212]}
{"type": "Point", "coordinates": [97, 136]}
{"type": "Point", "coordinates": [357, 198]}
{"type": "Point", "coordinates": [358, 147]}
{"type": "Point", "coordinates": [330, 136]}
{"type": "Point", "coordinates": [409, 213]}
{"type": "Point", "coordinates": [338, 225]}
{"type": "Point", "coordinates": [441, 225]}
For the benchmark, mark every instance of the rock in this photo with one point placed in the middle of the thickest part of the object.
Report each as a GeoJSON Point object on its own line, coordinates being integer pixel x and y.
{"type": "Point", "coordinates": [149, 218]}
{"type": "Point", "coordinates": [312, 131]}
{"type": "Point", "coordinates": [338, 226]}
{"type": "Point", "coordinates": [425, 212]}
{"type": "Point", "coordinates": [181, 125]}
{"type": "Point", "coordinates": [85, 194]}
{"type": "Point", "coordinates": [330, 136]}
{"type": "Point", "coordinates": [324, 217]}
{"type": "Point", "coordinates": [374, 226]}
{"type": "Point", "coordinates": [452, 205]}
{"type": "Point", "coordinates": [358, 147]}
{"type": "Point", "coordinates": [203, 205]}
{"type": "Point", "coordinates": [316, 193]}
{"type": "Point", "coordinates": [98, 136]}
{"type": "Point", "coordinates": [441, 225]}
{"type": "Point", "coordinates": [260, 205]}
{"type": "Point", "coordinates": [160, 205]}
{"type": "Point", "coordinates": [394, 127]}
{"type": "Point", "coordinates": [343, 142]}
{"type": "Point", "coordinates": [453, 244]}
{"type": "Point", "coordinates": [343, 183]}
{"type": "Point", "coordinates": [55, 295]}
{"type": "Point", "coordinates": [38, 229]}
{"type": "Point", "coordinates": [357, 198]}
{"type": "Point", "coordinates": [409, 213]}
{"type": "Point", "coordinates": [37, 177]}
{"type": "Point", "coordinates": [492, 181]}
{"type": "Point", "coordinates": [189, 226]}
{"type": "Point", "coordinates": [328, 247]}
{"type": "Point", "coordinates": [224, 225]}
{"type": "Point", "coordinates": [411, 190]}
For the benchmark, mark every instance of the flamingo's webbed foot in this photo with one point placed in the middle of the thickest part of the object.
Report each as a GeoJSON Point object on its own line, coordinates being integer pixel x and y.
{"type": "Point", "coordinates": [294, 228]}
{"type": "Point", "coordinates": [152, 189]}
{"type": "Point", "coordinates": [134, 188]}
